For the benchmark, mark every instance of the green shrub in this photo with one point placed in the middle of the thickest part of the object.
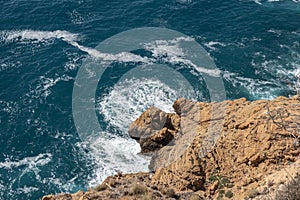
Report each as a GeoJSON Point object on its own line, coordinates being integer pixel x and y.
{"type": "Point", "coordinates": [253, 193]}
{"type": "Point", "coordinates": [229, 194]}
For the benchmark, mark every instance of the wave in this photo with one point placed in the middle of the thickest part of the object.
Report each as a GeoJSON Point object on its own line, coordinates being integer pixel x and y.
{"type": "Point", "coordinates": [270, 1]}
{"type": "Point", "coordinates": [38, 36]}
{"type": "Point", "coordinates": [39, 160]}
{"type": "Point", "coordinates": [184, 1]}
{"type": "Point", "coordinates": [124, 103]}
{"type": "Point", "coordinates": [6, 65]}
{"type": "Point", "coordinates": [258, 89]}
{"type": "Point", "coordinates": [77, 17]}
{"type": "Point", "coordinates": [130, 98]}
{"type": "Point", "coordinates": [170, 51]}
{"type": "Point", "coordinates": [166, 50]}
{"type": "Point", "coordinates": [292, 5]}
{"type": "Point", "coordinates": [9, 107]}
{"type": "Point", "coordinates": [44, 84]}
{"type": "Point", "coordinates": [212, 45]}
{"type": "Point", "coordinates": [120, 57]}
{"type": "Point", "coordinates": [113, 154]}
{"type": "Point", "coordinates": [70, 38]}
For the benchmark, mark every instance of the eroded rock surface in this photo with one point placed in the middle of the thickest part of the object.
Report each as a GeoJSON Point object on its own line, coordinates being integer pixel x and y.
{"type": "Point", "coordinates": [231, 149]}
{"type": "Point", "coordinates": [154, 129]}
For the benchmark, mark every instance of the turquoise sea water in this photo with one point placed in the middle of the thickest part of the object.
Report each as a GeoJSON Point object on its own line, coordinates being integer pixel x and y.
{"type": "Point", "coordinates": [255, 45]}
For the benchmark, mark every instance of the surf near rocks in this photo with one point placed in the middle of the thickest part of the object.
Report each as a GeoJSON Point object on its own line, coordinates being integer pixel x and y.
{"type": "Point", "coordinates": [255, 155]}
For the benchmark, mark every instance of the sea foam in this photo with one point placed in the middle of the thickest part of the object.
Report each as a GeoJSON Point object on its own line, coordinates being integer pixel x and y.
{"type": "Point", "coordinates": [39, 160]}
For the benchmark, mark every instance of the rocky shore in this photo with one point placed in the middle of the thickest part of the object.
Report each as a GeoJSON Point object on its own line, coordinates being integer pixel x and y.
{"type": "Point", "coordinates": [227, 150]}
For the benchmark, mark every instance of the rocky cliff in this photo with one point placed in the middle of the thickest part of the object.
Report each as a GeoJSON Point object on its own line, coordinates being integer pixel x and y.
{"type": "Point", "coordinates": [226, 150]}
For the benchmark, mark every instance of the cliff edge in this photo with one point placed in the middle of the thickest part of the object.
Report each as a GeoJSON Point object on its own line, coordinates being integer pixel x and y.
{"type": "Point", "coordinates": [221, 150]}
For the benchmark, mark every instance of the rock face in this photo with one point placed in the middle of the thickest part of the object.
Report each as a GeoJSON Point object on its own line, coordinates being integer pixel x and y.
{"type": "Point", "coordinates": [232, 149]}
{"type": "Point", "coordinates": [154, 129]}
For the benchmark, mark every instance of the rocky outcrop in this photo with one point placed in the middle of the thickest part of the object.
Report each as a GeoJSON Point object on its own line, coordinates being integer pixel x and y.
{"type": "Point", "coordinates": [256, 138]}
{"type": "Point", "coordinates": [154, 129]}
{"type": "Point", "coordinates": [231, 150]}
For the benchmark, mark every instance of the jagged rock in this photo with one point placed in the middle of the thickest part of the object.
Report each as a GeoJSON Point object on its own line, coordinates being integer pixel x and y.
{"type": "Point", "coordinates": [239, 146]}
{"type": "Point", "coordinates": [58, 197]}
{"type": "Point", "coordinates": [154, 129]}
{"type": "Point", "coordinates": [253, 135]}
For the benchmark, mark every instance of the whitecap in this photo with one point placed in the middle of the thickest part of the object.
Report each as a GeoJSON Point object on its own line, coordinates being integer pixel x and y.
{"type": "Point", "coordinates": [70, 38]}
{"type": "Point", "coordinates": [130, 98]}
{"type": "Point", "coordinates": [120, 57]}
{"type": "Point", "coordinates": [39, 160]}
{"type": "Point", "coordinates": [6, 65]}
{"type": "Point", "coordinates": [113, 154]}
{"type": "Point", "coordinates": [212, 45]}
{"type": "Point", "coordinates": [258, 89]}
{"type": "Point", "coordinates": [185, 1]}
{"type": "Point", "coordinates": [27, 189]}
{"type": "Point", "coordinates": [170, 51]}
{"type": "Point", "coordinates": [76, 17]}
{"type": "Point", "coordinates": [39, 36]}
{"type": "Point", "coordinates": [44, 85]}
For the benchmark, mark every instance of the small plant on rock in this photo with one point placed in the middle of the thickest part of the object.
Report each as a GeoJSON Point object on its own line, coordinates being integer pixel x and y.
{"type": "Point", "coordinates": [137, 189]}
{"type": "Point", "coordinates": [292, 191]}
{"type": "Point", "coordinates": [223, 184]}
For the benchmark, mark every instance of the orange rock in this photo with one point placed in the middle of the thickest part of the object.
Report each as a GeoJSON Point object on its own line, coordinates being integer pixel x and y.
{"type": "Point", "coordinates": [238, 142]}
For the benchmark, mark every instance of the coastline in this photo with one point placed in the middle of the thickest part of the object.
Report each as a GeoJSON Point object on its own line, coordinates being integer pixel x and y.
{"type": "Point", "coordinates": [254, 155]}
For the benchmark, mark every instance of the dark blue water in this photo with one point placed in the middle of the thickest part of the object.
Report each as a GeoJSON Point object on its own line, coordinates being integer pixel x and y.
{"type": "Point", "coordinates": [255, 45]}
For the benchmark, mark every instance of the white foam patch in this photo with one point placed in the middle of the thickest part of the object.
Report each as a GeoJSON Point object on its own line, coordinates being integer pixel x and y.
{"type": "Point", "coordinates": [124, 103]}
{"type": "Point", "coordinates": [130, 98]}
{"type": "Point", "coordinates": [284, 68]}
{"type": "Point", "coordinates": [277, 32]}
{"type": "Point", "coordinates": [167, 50]}
{"type": "Point", "coordinates": [286, 3]}
{"type": "Point", "coordinates": [32, 165]}
{"type": "Point", "coordinates": [114, 155]}
{"type": "Point", "coordinates": [296, 74]}
{"type": "Point", "coordinates": [170, 51]}
{"type": "Point", "coordinates": [214, 45]}
{"type": "Point", "coordinates": [185, 1]}
{"type": "Point", "coordinates": [77, 17]}
{"type": "Point", "coordinates": [259, 89]}
{"type": "Point", "coordinates": [1, 187]}
{"type": "Point", "coordinates": [258, 2]}
{"type": "Point", "coordinates": [70, 38]}
{"type": "Point", "coordinates": [38, 36]}
{"type": "Point", "coordinates": [120, 57]}
{"type": "Point", "coordinates": [44, 85]}
{"type": "Point", "coordinates": [6, 65]}
{"type": "Point", "coordinates": [127, 100]}
{"type": "Point", "coordinates": [39, 160]}
{"type": "Point", "coordinates": [74, 61]}
{"type": "Point", "coordinates": [27, 189]}
{"type": "Point", "coordinates": [11, 108]}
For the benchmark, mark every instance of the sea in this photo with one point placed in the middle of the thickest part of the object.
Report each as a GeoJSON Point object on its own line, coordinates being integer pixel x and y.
{"type": "Point", "coordinates": [59, 132]}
